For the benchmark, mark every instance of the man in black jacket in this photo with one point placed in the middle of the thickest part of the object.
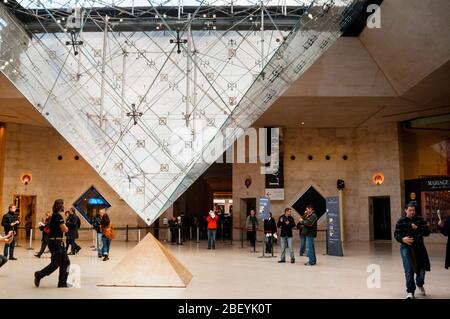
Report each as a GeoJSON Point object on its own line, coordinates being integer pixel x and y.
{"type": "Point", "coordinates": [72, 223]}
{"type": "Point", "coordinates": [409, 232]}
{"type": "Point", "coordinates": [286, 223]}
{"type": "Point", "coordinates": [10, 222]}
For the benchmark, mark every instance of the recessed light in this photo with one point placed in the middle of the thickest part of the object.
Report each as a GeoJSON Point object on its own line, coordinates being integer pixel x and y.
{"type": "Point", "coordinates": [302, 123]}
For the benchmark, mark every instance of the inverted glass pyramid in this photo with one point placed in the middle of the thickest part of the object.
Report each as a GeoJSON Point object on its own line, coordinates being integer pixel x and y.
{"type": "Point", "coordinates": [144, 89]}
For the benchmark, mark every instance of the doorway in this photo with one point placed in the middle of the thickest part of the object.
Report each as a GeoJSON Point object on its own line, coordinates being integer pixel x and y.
{"type": "Point", "coordinates": [380, 211]}
{"type": "Point", "coordinates": [247, 204]}
{"type": "Point", "coordinates": [26, 211]}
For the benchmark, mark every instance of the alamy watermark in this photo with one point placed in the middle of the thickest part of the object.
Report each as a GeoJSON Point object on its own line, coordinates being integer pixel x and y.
{"type": "Point", "coordinates": [374, 278]}
{"type": "Point", "coordinates": [374, 19]}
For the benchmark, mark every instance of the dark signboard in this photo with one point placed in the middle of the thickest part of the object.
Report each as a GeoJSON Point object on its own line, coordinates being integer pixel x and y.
{"type": "Point", "coordinates": [264, 207]}
{"type": "Point", "coordinates": [275, 147]}
{"type": "Point", "coordinates": [435, 184]}
{"type": "Point", "coordinates": [334, 243]}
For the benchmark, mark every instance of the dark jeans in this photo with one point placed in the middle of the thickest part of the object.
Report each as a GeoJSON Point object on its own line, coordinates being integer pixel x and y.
{"type": "Point", "coordinates": [311, 252]}
{"type": "Point", "coordinates": [409, 272]}
{"type": "Point", "coordinates": [212, 238]}
{"type": "Point", "coordinates": [251, 236]}
{"type": "Point", "coordinates": [44, 245]}
{"type": "Point", "coordinates": [73, 245]}
{"type": "Point", "coordinates": [269, 244]}
{"type": "Point", "coordinates": [10, 248]}
{"type": "Point", "coordinates": [302, 245]}
{"type": "Point", "coordinates": [106, 245]}
{"type": "Point", "coordinates": [59, 260]}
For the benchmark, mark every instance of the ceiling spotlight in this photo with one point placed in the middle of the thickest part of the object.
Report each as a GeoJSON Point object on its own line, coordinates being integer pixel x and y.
{"type": "Point", "coordinates": [302, 123]}
{"type": "Point", "coordinates": [65, 29]}
{"type": "Point", "coordinates": [5, 1]}
{"type": "Point", "coordinates": [58, 21]}
{"type": "Point", "coordinates": [121, 20]}
{"type": "Point", "coordinates": [157, 27]}
{"type": "Point", "coordinates": [6, 63]}
{"type": "Point", "coordinates": [63, 19]}
{"type": "Point", "coordinates": [214, 27]}
{"type": "Point", "coordinates": [310, 16]}
{"type": "Point", "coordinates": [204, 16]}
{"type": "Point", "coordinates": [214, 16]}
{"type": "Point", "coordinates": [11, 60]}
{"type": "Point", "coordinates": [2, 67]}
{"type": "Point", "coordinates": [251, 19]}
{"type": "Point", "coordinates": [164, 15]}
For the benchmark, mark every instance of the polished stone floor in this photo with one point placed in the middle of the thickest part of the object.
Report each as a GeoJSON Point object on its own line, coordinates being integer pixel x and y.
{"type": "Point", "coordinates": [234, 272]}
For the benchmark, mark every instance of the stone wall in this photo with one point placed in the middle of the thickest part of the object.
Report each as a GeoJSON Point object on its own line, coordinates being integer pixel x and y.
{"type": "Point", "coordinates": [369, 150]}
{"type": "Point", "coordinates": [35, 150]}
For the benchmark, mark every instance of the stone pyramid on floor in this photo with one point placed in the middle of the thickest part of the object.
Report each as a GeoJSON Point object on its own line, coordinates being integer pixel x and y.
{"type": "Point", "coordinates": [148, 264]}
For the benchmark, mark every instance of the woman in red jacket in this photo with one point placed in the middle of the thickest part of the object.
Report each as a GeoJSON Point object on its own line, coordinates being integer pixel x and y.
{"type": "Point", "coordinates": [212, 227]}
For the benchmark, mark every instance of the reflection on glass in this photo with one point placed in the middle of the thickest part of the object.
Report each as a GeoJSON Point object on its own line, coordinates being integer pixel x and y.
{"type": "Point", "coordinates": [146, 107]}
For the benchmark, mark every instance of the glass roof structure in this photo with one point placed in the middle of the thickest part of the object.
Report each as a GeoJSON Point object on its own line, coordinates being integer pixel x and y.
{"type": "Point", "coordinates": [150, 93]}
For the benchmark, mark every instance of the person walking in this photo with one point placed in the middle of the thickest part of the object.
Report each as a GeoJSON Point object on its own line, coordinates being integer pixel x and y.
{"type": "Point", "coordinates": [96, 224]}
{"type": "Point", "coordinates": [445, 230]}
{"type": "Point", "coordinates": [108, 235]}
{"type": "Point", "coordinates": [10, 222]}
{"type": "Point", "coordinates": [59, 257]}
{"type": "Point", "coordinates": [286, 223]}
{"type": "Point", "coordinates": [409, 232]}
{"type": "Point", "coordinates": [44, 228]}
{"type": "Point", "coordinates": [309, 232]}
{"type": "Point", "coordinates": [270, 228]}
{"type": "Point", "coordinates": [212, 228]}
{"type": "Point", "coordinates": [251, 224]}
{"type": "Point", "coordinates": [73, 224]}
{"type": "Point", "coordinates": [7, 240]}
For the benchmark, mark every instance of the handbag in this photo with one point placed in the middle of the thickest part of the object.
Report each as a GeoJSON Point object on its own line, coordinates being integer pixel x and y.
{"type": "Point", "coordinates": [109, 232]}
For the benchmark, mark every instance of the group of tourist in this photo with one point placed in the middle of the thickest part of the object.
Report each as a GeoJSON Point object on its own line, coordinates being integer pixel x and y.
{"type": "Point", "coordinates": [54, 227]}
{"type": "Point", "coordinates": [307, 226]}
{"type": "Point", "coordinates": [410, 231]}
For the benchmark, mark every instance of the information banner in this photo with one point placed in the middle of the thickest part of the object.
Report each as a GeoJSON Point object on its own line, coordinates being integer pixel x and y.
{"type": "Point", "coordinates": [334, 243]}
{"type": "Point", "coordinates": [264, 207]}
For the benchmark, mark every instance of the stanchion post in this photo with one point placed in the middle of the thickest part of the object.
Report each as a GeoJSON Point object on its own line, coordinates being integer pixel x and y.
{"type": "Point", "coordinates": [31, 240]}
{"type": "Point", "coordinates": [190, 232]}
{"type": "Point", "coordinates": [139, 234]}
{"type": "Point", "coordinates": [179, 236]}
{"type": "Point", "coordinates": [198, 235]}
{"type": "Point", "coordinates": [242, 237]}
{"type": "Point", "coordinates": [126, 233]}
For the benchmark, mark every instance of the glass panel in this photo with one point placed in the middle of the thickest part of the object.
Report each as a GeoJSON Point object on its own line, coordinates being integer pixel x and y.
{"type": "Point", "coordinates": [151, 110]}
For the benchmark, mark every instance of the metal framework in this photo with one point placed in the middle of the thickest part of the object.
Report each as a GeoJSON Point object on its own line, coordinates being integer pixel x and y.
{"type": "Point", "coordinates": [146, 90]}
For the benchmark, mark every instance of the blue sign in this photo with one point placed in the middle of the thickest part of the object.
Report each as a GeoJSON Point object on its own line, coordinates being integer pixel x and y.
{"type": "Point", "coordinates": [264, 207]}
{"type": "Point", "coordinates": [334, 243]}
{"type": "Point", "coordinates": [96, 201]}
